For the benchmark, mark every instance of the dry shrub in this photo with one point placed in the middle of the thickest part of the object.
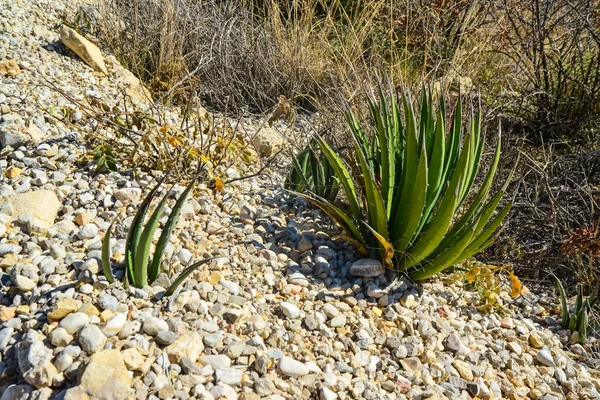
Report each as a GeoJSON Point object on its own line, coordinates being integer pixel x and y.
{"type": "Point", "coordinates": [555, 196]}
{"type": "Point", "coordinates": [552, 48]}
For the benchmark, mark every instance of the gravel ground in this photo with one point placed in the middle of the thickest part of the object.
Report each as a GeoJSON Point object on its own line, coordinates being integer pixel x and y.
{"type": "Point", "coordinates": [285, 312]}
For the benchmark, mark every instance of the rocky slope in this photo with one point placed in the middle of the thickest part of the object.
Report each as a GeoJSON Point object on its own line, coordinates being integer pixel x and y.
{"type": "Point", "coordinates": [285, 312]}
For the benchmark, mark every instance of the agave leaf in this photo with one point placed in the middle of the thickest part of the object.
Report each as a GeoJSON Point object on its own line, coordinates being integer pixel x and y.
{"type": "Point", "coordinates": [410, 165]}
{"type": "Point", "coordinates": [564, 317]}
{"type": "Point", "coordinates": [429, 240]}
{"type": "Point", "coordinates": [106, 268]}
{"type": "Point", "coordinates": [135, 230]}
{"type": "Point", "coordinates": [436, 165]}
{"type": "Point", "coordinates": [358, 245]}
{"type": "Point", "coordinates": [438, 227]}
{"type": "Point", "coordinates": [386, 140]}
{"type": "Point", "coordinates": [375, 206]}
{"type": "Point", "coordinates": [184, 274]}
{"type": "Point", "coordinates": [344, 177]}
{"type": "Point", "coordinates": [405, 229]}
{"type": "Point", "coordinates": [482, 238]}
{"type": "Point", "coordinates": [140, 267]}
{"type": "Point", "coordinates": [572, 322]}
{"type": "Point", "coordinates": [166, 232]}
{"type": "Point", "coordinates": [388, 249]}
{"type": "Point", "coordinates": [483, 192]}
{"type": "Point", "coordinates": [442, 261]}
{"type": "Point", "coordinates": [583, 327]}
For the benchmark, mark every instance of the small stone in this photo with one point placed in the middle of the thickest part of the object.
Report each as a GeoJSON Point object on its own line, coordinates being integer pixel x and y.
{"type": "Point", "coordinates": [223, 392]}
{"type": "Point", "coordinates": [74, 322]}
{"type": "Point", "coordinates": [7, 313]}
{"type": "Point", "coordinates": [229, 376]}
{"type": "Point", "coordinates": [536, 341]}
{"type": "Point", "coordinates": [165, 338]}
{"type": "Point", "coordinates": [63, 307]}
{"type": "Point", "coordinates": [289, 366]}
{"type": "Point", "coordinates": [289, 310]}
{"type": "Point", "coordinates": [545, 357]}
{"type": "Point", "coordinates": [91, 339]}
{"type": "Point", "coordinates": [463, 369]}
{"type": "Point", "coordinates": [153, 325]}
{"type": "Point", "coordinates": [453, 343]}
{"type": "Point", "coordinates": [328, 394]}
{"type": "Point", "coordinates": [304, 244]}
{"type": "Point", "coordinates": [9, 68]}
{"type": "Point", "coordinates": [216, 361]}
{"type": "Point", "coordinates": [88, 231]}
{"type": "Point", "coordinates": [59, 337]}
{"type": "Point", "coordinates": [128, 196]}
{"type": "Point", "coordinates": [186, 345]}
{"type": "Point", "coordinates": [114, 325]}
{"type": "Point", "coordinates": [367, 268]}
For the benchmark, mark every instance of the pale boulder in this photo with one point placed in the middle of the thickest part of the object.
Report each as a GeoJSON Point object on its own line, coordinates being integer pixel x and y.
{"type": "Point", "coordinates": [41, 205]}
{"type": "Point", "coordinates": [85, 49]}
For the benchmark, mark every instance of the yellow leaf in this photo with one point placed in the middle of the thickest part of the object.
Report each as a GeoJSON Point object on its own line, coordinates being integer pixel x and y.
{"type": "Point", "coordinates": [204, 158]}
{"type": "Point", "coordinates": [164, 129]}
{"type": "Point", "coordinates": [472, 274]}
{"type": "Point", "coordinates": [218, 185]}
{"type": "Point", "coordinates": [193, 153]}
{"type": "Point", "coordinates": [173, 141]}
{"type": "Point", "coordinates": [516, 286]}
{"type": "Point", "coordinates": [388, 249]}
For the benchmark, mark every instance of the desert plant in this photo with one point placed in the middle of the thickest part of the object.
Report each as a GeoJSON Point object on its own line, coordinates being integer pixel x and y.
{"type": "Point", "coordinates": [311, 172]}
{"type": "Point", "coordinates": [411, 183]}
{"type": "Point", "coordinates": [554, 47]}
{"type": "Point", "coordinates": [578, 320]}
{"type": "Point", "coordinates": [139, 269]}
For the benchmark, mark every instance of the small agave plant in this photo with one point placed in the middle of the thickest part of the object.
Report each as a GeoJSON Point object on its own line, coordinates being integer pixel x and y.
{"type": "Point", "coordinates": [140, 269]}
{"type": "Point", "coordinates": [578, 320]}
{"type": "Point", "coordinates": [311, 172]}
{"type": "Point", "coordinates": [408, 198]}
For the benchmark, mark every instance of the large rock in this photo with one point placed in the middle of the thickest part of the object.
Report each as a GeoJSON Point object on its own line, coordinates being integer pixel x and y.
{"type": "Point", "coordinates": [85, 49]}
{"type": "Point", "coordinates": [367, 268]}
{"type": "Point", "coordinates": [267, 141]}
{"type": "Point", "coordinates": [35, 361]}
{"type": "Point", "coordinates": [105, 378]}
{"type": "Point", "coordinates": [14, 135]}
{"type": "Point", "coordinates": [41, 205]}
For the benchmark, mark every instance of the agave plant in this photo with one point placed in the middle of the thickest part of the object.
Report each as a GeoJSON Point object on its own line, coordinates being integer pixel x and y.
{"type": "Point", "coordinates": [579, 319]}
{"type": "Point", "coordinates": [311, 172]}
{"type": "Point", "coordinates": [140, 270]}
{"type": "Point", "coordinates": [407, 200]}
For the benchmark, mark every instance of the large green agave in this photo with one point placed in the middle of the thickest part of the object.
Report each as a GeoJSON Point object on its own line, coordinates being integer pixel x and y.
{"type": "Point", "coordinates": [408, 198]}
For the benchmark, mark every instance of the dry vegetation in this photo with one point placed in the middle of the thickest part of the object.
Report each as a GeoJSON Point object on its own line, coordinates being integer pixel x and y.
{"type": "Point", "coordinates": [535, 63]}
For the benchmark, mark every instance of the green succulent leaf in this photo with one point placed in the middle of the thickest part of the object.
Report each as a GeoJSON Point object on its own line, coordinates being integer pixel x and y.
{"type": "Point", "coordinates": [183, 275]}
{"type": "Point", "coordinates": [140, 268]}
{"type": "Point", "coordinates": [106, 267]}
{"type": "Point", "coordinates": [166, 232]}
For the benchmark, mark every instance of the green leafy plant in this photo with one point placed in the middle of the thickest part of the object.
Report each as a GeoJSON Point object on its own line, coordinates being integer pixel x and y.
{"type": "Point", "coordinates": [578, 320]}
{"type": "Point", "coordinates": [408, 198]}
{"type": "Point", "coordinates": [311, 172]}
{"type": "Point", "coordinates": [140, 269]}
{"type": "Point", "coordinates": [105, 157]}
